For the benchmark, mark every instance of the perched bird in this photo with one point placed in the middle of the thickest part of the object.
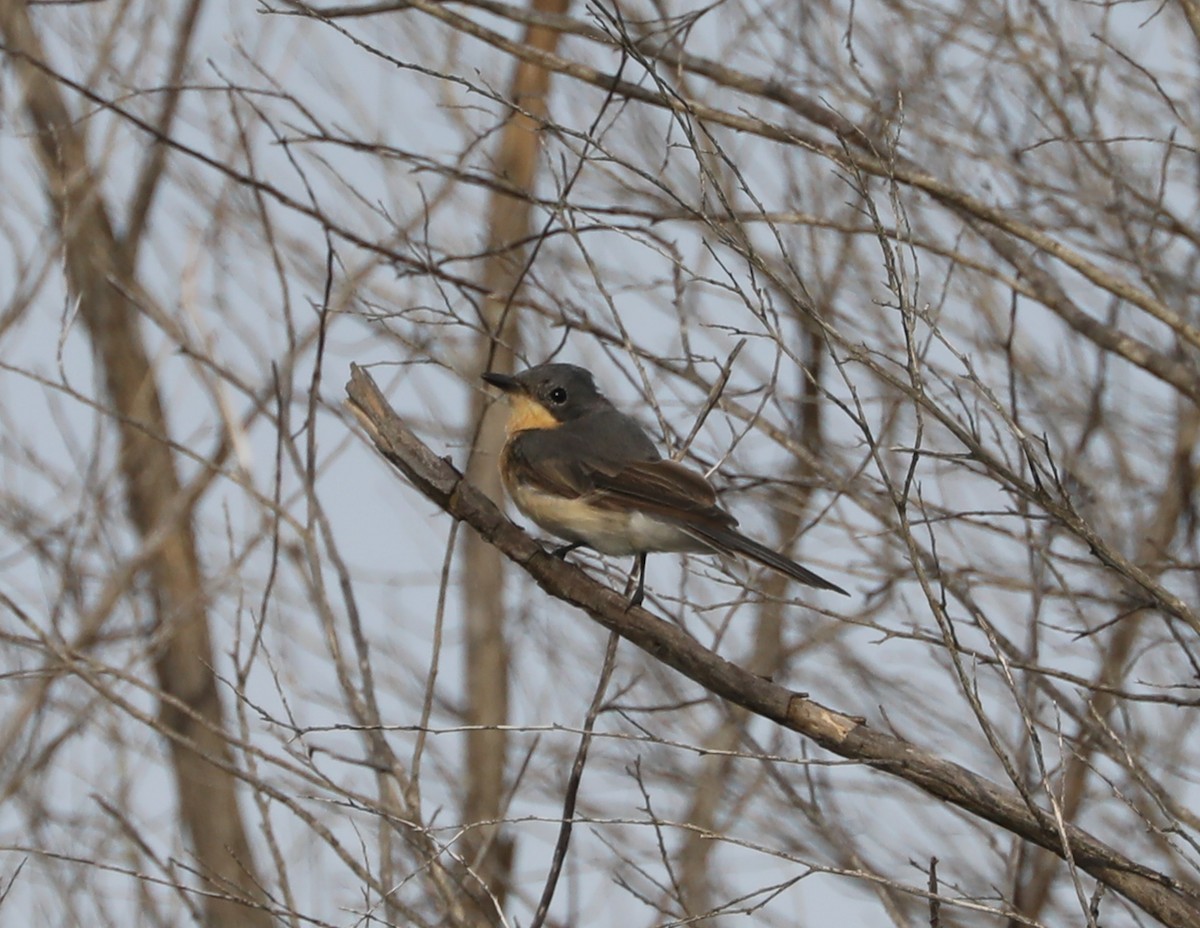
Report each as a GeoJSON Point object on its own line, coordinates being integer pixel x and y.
{"type": "Point", "coordinates": [586, 472]}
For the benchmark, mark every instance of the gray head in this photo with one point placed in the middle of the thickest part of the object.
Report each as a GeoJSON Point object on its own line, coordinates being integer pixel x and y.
{"type": "Point", "coordinates": [562, 391]}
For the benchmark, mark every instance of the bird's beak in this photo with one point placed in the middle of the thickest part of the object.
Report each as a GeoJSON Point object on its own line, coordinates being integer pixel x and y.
{"type": "Point", "coordinates": [505, 382]}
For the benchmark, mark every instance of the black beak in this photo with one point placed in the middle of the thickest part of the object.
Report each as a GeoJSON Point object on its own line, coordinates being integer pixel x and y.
{"type": "Point", "coordinates": [505, 382]}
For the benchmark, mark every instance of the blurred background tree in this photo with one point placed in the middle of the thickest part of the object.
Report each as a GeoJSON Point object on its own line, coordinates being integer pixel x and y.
{"type": "Point", "coordinates": [251, 677]}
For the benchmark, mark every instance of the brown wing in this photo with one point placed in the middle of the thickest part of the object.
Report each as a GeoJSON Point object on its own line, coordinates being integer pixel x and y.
{"type": "Point", "coordinates": [664, 487]}
{"type": "Point", "coordinates": [610, 460]}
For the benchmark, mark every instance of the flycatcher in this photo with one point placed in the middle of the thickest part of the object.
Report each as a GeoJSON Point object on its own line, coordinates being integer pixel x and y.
{"type": "Point", "coordinates": [586, 472]}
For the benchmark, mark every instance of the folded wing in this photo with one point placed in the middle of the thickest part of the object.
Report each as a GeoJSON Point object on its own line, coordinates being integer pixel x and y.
{"type": "Point", "coordinates": [664, 488]}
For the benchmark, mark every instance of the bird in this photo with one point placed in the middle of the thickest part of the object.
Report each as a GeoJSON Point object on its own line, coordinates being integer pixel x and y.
{"type": "Point", "coordinates": [589, 474]}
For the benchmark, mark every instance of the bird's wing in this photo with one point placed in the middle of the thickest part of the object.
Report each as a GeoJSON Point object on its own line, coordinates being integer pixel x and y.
{"type": "Point", "coordinates": [666, 488]}
{"type": "Point", "coordinates": [622, 471]}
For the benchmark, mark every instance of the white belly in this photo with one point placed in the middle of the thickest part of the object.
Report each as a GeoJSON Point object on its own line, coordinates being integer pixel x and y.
{"type": "Point", "coordinates": [609, 532]}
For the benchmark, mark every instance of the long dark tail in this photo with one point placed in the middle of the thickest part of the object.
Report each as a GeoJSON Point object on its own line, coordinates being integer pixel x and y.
{"type": "Point", "coordinates": [724, 539]}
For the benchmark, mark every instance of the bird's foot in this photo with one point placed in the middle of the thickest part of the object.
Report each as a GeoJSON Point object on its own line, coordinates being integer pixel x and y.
{"type": "Point", "coordinates": [640, 593]}
{"type": "Point", "coordinates": [563, 550]}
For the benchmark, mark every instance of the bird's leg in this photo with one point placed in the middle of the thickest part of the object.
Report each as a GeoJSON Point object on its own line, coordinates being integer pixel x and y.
{"type": "Point", "coordinates": [563, 550]}
{"type": "Point", "coordinates": [640, 593]}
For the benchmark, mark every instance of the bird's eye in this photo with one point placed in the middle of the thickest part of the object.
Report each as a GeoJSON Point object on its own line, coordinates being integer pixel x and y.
{"type": "Point", "coordinates": [558, 396]}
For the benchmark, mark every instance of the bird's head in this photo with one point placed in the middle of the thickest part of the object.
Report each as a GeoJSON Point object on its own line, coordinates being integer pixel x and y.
{"type": "Point", "coordinates": [546, 396]}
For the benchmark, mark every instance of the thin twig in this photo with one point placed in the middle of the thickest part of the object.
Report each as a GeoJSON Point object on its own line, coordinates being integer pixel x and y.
{"type": "Point", "coordinates": [568, 816]}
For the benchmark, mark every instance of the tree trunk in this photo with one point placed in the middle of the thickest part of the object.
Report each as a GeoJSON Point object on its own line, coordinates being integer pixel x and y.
{"type": "Point", "coordinates": [101, 276]}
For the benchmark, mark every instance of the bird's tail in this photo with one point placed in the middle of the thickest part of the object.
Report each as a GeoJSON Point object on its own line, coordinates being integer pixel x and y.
{"type": "Point", "coordinates": [725, 539]}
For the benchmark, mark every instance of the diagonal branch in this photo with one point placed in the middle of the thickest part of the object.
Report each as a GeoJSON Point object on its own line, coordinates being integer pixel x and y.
{"type": "Point", "coordinates": [842, 734]}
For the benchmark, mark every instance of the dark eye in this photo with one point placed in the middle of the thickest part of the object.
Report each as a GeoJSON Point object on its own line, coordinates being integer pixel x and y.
{"type": "Point", "coordinates": [558, 396]}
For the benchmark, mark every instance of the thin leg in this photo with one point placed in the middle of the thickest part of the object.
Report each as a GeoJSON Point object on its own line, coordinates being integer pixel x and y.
{"type": "Point", "coordinates": [640, 593]}
{"type": "Point", "coordinates": [563, 550]}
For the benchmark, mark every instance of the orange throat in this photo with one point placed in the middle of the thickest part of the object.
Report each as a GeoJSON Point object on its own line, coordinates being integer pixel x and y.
{"type": "Point", "coordinates": [526, 413]}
